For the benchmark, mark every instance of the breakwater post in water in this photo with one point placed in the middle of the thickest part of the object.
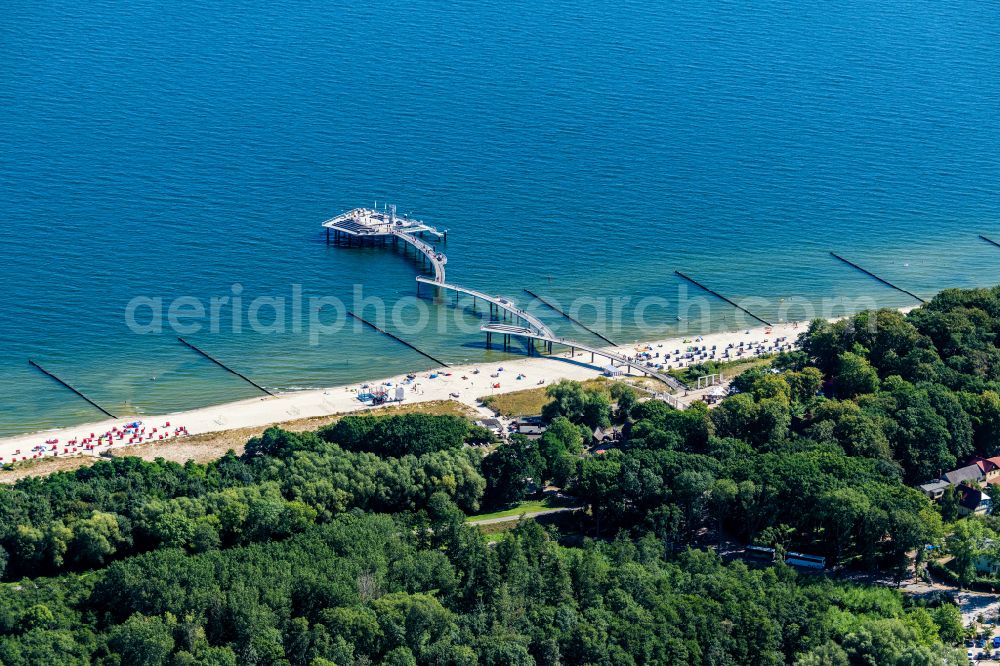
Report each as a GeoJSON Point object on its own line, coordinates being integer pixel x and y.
{"type": "Point", "coordinates": [224, 366]}
{"type": "Point", "coordinates": [398, 339]}
{"type": "Point", "coordinates": [988, 240]}
{"type": "Point", "coordinates": [883, 281]}
{"type": "Point", "coordinates": [575, 321]}
{"type": "Point", "coordinates": [718, 295]}
{"type": "Point", "coordinates": [44, 371]}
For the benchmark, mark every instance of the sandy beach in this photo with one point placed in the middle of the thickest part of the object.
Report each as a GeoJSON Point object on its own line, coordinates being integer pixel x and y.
{"type": "Point", "coordinates": [464, 384]}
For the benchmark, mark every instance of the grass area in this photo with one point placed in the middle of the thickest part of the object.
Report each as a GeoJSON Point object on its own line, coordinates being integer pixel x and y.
{"type": "Point", "coordinates": [643, 381]}
{"type": "Point", "coordinates": [526, 507]}
{"type": "Point", "coordinates": [432, 407]}
{"type": "Point", "coordinates": [212, 445]}
{"type": "Point", "coordinates": [690, 374]}
{"type": "Point", "coordinates": [528, 402]}
{"type": "Point", "coordinates": [496, 529]}
{"type": "Point", "coordinates": [517, 403]}
{"type": "Point", "coordinates": [567, 522]}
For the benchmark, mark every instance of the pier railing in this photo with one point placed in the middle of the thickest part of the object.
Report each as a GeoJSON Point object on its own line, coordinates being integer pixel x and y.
{"type": "Point", "coordinates": [437, 259]}
{"type": "Point", "coordinates": [622, 360]}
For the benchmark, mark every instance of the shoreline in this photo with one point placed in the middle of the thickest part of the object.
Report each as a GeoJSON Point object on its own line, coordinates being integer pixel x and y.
{"type": "Point", "coordinates": [463, 383]}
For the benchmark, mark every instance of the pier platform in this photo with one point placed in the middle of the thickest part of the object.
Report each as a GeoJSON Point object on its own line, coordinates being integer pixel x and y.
{"type": "Point", "coordinates": [369, 225]}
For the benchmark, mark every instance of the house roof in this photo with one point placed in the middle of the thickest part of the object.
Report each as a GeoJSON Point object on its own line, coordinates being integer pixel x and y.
{"type": "Point", "coordinates": [967, 473]}
{"type": "Point", "coordinates": [987, 464]}
{"type": "Point", "coordinates": [606, 433]}
{"type": "Point", "coordinates": [969, 498]}
{"type": "Point", "coordinates": [934, 486]}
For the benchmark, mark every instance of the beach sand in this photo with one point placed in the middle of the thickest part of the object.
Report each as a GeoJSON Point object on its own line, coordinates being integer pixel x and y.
{"type": "Point", "coordinates": [462, 384]}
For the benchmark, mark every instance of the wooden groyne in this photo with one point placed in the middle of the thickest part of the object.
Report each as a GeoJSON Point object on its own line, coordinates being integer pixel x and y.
{"type": "Point", "coordinates": [882, 280]}
{"type": "Point", "coordinates": [718, 295]}
{"type": "Point", "coordinates": [224, 366]}
{"type": "Point", "coordinates": [79, 393]}
{"type": "Point", "coordinates": [398, 339]}
{"type": "Point", "coordinates": [988, 240]}
{"type": "Point", "coordinates": [572, 319]}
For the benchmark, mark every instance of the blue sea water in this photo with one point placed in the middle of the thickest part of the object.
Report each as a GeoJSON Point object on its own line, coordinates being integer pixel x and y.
{"type": "Point", "coordinates": [168, 149]}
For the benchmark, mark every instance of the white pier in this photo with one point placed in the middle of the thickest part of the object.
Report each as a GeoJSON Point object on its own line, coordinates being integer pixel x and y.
{"type": "Point", "coordinates": [506, 329]}
{"type": "Point", "coordinates": [372, 226]}
{"type": "Point", "coordinates": [499, 302]}
{"type": "Point", "coordinates": [368, 225]}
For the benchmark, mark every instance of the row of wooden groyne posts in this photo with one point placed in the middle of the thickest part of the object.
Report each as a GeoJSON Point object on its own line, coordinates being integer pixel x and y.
{"type": "Point", "coordinates": [366, 226]}
{"type": "Point", "coordinates": [361, 226]}
{"type": "Point", "coordinates": [108, 413]}
{"type": "Point", "coordinates": [372, 227]}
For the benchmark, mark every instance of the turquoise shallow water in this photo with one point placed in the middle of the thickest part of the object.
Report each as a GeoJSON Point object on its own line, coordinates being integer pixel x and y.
{"type": "Point", "coordinates": [578, 149]}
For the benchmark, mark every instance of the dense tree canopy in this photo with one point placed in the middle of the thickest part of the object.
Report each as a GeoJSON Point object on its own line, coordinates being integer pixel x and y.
{"type": "Point", "coordinates": [349, 546]}
{"type": "Point", "coordinates": [370, 589]}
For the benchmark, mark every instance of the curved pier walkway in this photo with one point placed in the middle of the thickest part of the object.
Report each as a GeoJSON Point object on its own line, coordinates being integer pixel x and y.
{"type": "Point", "coordinates": [534, 323]}
{"type": "Point", "coordinates": [367, 223]}
{"type": "Point", "coordinates": [437, 259]}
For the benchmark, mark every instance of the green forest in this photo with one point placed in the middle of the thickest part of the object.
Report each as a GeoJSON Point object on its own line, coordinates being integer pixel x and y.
{"type": "Point", "coordinates": [350, 546]}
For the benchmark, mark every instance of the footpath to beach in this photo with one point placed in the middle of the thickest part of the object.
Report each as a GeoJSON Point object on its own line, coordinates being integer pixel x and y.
{"type": "Point", "coordinates": [464, 384]}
